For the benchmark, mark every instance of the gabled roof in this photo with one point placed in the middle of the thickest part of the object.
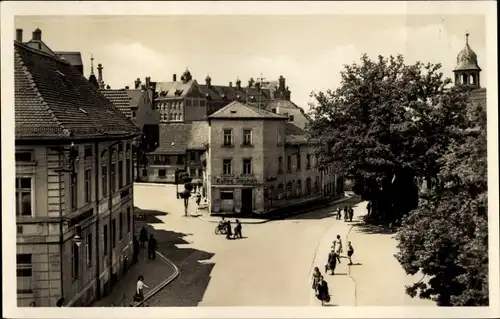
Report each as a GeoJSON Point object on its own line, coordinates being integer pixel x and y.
{"type": "Point", "coordinates": [238, 110]}
{"type": "Point", "coordinates": [124, 99]}
{"type": "Point", "coordinates": [176, 138]}
{"type": "Point", "coordinates": [173, 89]}
{"type": "Point", "coordinates": [53, 100]}
{"type": "Point", "coordinates": [301, 119]}
{"type": "Point", "coordinates": [231, 93]}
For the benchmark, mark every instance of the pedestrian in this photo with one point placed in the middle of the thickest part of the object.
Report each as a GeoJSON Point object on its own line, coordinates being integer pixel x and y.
{"type": "Point", "coordinates": [152, 247]}
{"type": "Point", "coordinates": [229, 232]}
{"type": "Point", "coordinates": [339, 213]}
{"type": "Point", "coordinates": [135, 244]}
{"type": "Point", "coordinates": [322, 292]}
{"type": "Point", "coordinates": [346, 212]}
{"type": "Point", "coordinates": [143, 236]}
{"type": "Point", "coordinates": [198, 199]}
{"type": "Point", "coordinates": [237, 230]}
{"type": "Point", "coordinates": [369, 208]}
{"type": "Point", "coordinates": [139, 292]}
{"type": "Point", "coordinates": [60, 302]}
{"type": "Point", "coordinates": [337, 247]}
{"type": "Point", "coordinates": [351, 213]}
{"type": "Point", "coordinates": [350, 252]}
{"type": "Point", "coordinates": [315, 278]}
{"type": "Point", "coordinates": [332, 262]}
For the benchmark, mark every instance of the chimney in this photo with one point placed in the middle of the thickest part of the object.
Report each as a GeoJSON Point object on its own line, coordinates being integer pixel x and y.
{"type": "Point", "coordinates": [143, 87]}
{"type": "Point", "coordinates": [148, 82]}
{"type": "Point", "coordinates": [37, 35]}
{"type": "Point", "coordinates": [257, 86]}
{"type": "Point", "coordinates": [137, 83]}
{"type": "Point", "coordinates": [99, 75]}
{"type": "Point", "coordinates": [19, 35]}
{"type": "Point", "coordinates": [174, 78]}
{"type": "Point", "coordinates": [282, 83]}
{"type": "Point", "coordinates": [126, 87]}
{"type": "Point", "coordinates": [230, 84]}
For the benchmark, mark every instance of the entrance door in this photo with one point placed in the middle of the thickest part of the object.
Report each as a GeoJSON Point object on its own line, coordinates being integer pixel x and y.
{"type": "Point", "coordinates": [246, 200]}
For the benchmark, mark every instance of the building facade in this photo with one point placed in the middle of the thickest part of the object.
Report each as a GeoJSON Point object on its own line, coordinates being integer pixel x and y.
{"type": "Point", "coordinates": [258, 161]}
{"type": "Point", "coordinates": [74, 181]}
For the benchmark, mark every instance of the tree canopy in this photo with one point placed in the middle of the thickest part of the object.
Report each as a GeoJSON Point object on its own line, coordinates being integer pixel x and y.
{"type": "Point", "coordinates": [393, 128]}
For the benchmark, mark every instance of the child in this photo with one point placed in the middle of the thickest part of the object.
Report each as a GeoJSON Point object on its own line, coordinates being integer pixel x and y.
{"type": "Point", "coordinates": [350, 252]}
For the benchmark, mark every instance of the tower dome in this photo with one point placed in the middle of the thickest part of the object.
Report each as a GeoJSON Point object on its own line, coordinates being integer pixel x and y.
{"type": "Point", "coordinates": [186, 76]}
{"type": "Point", "coordinates": [467, 69]}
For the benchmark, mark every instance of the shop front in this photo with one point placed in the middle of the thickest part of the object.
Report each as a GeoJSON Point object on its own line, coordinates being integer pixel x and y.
{"type": "Point", "coordinates": [240, 195]}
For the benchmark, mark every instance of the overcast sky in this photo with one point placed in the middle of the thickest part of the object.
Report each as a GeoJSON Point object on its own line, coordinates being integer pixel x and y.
{"type": "Point", "coordinates": [309, 51]}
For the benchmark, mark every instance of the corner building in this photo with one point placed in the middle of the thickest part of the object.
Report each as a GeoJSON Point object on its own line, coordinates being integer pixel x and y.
{"type": "Point", "coordinates": [258, 161]}
{"type": "Point", "coordinates": [74, 182]}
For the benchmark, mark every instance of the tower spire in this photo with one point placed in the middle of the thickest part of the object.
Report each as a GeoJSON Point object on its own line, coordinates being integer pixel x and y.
{"type": "Point", "coordinates": [466, 37]}
{"type": "Point", "coordinates": [91, 64]}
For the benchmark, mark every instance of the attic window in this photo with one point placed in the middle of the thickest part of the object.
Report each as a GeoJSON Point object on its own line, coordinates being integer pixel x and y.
{"type": "Point", "coordinates": [233, 111]}
{"type": "Point", "coordinates": [60, 73]}
{"type": "Point", "coordinates": [83, 111]}
{"type": "Point", "coordinates": [291, 118]}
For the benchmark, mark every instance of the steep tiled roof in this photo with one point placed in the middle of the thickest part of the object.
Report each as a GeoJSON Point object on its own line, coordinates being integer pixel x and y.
{"type": "Point", "coordinates": [124, 99]}
{"type": "Point", "coordinates": [230, 93]}
{"type": "Point", "coordinates": [301, 119]}
{"type": "Point", "coordinates": [173, 89]}
{"type": "Point", "coordinates": [74, 58]}
{"type": "Point", "coordinates": [176, 138]}
{"type": "Point", "coordinates": [54, 100]}
{"type": "Point", "coordinates": [295, 135]}
{"type": "Point", "coordinates": [238, 110]}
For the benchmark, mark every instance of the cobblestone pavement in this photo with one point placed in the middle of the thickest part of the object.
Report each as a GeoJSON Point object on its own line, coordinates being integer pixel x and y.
{"type": "Point", "coordinates": [270, 266]}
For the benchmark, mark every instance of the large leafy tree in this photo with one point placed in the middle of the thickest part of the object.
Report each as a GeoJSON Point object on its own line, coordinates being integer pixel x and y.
{"type": "Point", "coordinates": [386, 126]}
{"type": "Point", "coordinates": [446, 238]}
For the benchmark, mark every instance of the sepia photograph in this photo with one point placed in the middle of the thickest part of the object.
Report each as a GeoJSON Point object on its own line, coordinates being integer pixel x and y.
{"type": "Point", "coordinates": [249, 159]}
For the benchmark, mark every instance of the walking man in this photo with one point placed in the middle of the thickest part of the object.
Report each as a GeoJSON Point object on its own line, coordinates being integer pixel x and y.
{"type": "Point", "coordinates": [350, 252]}
{"type": "Point", "coordinates": [332, 262]}
{"type": "Point", "coordinates": [337, 247]}
{"type": "Point", "coordinates": [339, 213]}
{"type": "Point", "coordinates": [152, 247]}
{"type": "Point", "coordinates": [369, 208]}
{"type": "Point", "coordinates": [143, 236]}
{"type": "Point", "coordinates": [351, 213]}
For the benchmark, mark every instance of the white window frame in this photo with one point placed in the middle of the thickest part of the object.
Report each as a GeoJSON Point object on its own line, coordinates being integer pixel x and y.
{"type": "Point", "coordinates": [245, 142]}
{"type": "Point", "coordinates": [224, 137]}
{"type": "Point", "coordinates": [250, 166]}
{"type": "Point", "coordinates": [32, 192]}
{"type": "Point", "coordinates": [230, 165]}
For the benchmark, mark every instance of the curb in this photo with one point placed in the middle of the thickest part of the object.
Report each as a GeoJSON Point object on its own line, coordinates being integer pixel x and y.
{"type": "Point", "coordinates": [161, 285]}
{"type": "Point", "coordinates": [260, 221]}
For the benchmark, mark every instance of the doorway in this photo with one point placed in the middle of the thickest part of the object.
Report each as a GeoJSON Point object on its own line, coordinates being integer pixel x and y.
{"type": "Point", "coordinates": [246, 200]}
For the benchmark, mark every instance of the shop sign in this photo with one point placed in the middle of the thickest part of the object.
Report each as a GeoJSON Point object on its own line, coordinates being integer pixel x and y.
{"type": "Point", "coordinates": [235, 180]}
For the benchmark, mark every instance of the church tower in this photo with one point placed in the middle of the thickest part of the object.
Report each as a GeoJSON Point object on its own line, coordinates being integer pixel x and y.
{"type": "Point", "coordinates": [467, 71]}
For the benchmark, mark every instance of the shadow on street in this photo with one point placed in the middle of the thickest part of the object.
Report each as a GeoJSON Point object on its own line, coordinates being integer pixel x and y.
{"type": "Point", "coordinates": [369, 228]}
{"type": "Point", "coordinates": [189, 288]}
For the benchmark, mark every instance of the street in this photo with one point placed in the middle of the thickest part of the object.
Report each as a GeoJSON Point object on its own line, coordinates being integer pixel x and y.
{"type": "Point", "coordinates": [271, 265]}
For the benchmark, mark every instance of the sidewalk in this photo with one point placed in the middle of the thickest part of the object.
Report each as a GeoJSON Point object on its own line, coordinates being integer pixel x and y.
{"type": "Point", "coordinates": [375, 278]}
{"type": "Point", "coordinates": [216, 219]}
{"type": "Point", "coordinates": [157, 274]}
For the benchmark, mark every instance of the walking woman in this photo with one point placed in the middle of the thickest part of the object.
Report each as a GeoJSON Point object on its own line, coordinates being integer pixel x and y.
{"type": "Point", "coordinates": [322, 292]}
{"type": "Point", "coordinates": [315, 278]}
{"type": "Point", "coordinates": [350, 252]}
{"type": "Point", "coordinates": [140, 290]}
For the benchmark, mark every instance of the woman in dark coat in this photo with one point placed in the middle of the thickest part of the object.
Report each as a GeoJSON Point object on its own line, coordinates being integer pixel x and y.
{"type": "Point", "coordinates": [229, 233]}
{"type": "Point", "coordinates": [322, 291]}
{"type": "Point", "coordinates": [143, 236]}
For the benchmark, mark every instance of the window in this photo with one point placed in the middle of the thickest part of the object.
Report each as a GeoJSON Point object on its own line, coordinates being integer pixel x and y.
{"type": "Point", "coordinates": [247, 166]}
{"type": "Point", "coordinates": [180, 159]}
{"type": "Point", "coordinates": [226, 195]}
{"type": "Point", "coordinates": [273, 110]}
{"type": "Point", "coordinates": [298, 189]}
{"type": "Point", "coordinates": [88, 250]}
{"type": "Point", "coordinates": [226, 167]}
{"type": "Point", "coordinates": [74, 191]}
{"type": "Point", "coordinates": [192, 172]}
{"type": "Point", "coordinates": [120, 173]}
{"type": "Point", "coordinates": [104, 180]}
{"type": "Point", "coordinates": [133, 114]}
{"type": "Point", "coordinates": [280, 137]}
{"type": "Point", "coordinates": [24, 156]}
{"type": "Point", "coordinates": [228, 137]}
{"type": "Point", "coordinates": [88, 152]}
{"type": "Point", "coordinates": [308, 186]}
{"type": "Point", "coordinates": [144, 172]}
{"type": "Point", "coordinates": [129, 220]}
{"type": "Point", "coordinates": [76, 261]}
{"type": "Point", "coordinates": [120, 231]}
{"type": "Point", "coordinates": [113, 233]}
{"type": "Point", "coordinates": [23, 196]}
{"type": "Point", "coordinates": [128, 166]}
{"type": "Point", "coordinates": [280, 164]}
{"type": "Point", "coordinates": [298, 162]}
{"type": "Point", "coordinates": [291, 118]}
{"type": "Point", "coordinates": [162, 172]}
{"type": "Point", "coordinates": [289, 163]}
{"type": "Point", "coordinates": [192, 156]}
{"type": "Point", "coordinates": [308, 161]}
{"type": "Point", "coordinates": [247, 137]}
{"type": "Point", "coordinates": [112, 178]}
{"type": "Point", "coordinates": [285, 114]}
{"type": "Point", "coordinates": [200, 172]}
{"type": "Point", "coordinates": [88, 185]}
{"type": "Point", "coordinates": [105, 240]}
{"type": "Point", "coordinates": [24, 272]}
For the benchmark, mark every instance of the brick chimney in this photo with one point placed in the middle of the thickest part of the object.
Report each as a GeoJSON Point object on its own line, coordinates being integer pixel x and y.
{"type": "Point", "coordinates": [174, 78]}
{"type": "Point", "coordinates": [19, 35]}
{"type": "Point", "coordinates": [37, 35]}
{"type": "Point", "coordinates": [230, 84]}
{"type": "Point", "coordinates": [137, 83]}
{"type": "Point", "coordinates": [148, 82]}
{"type": "Point", "coordinates": [99, 76]}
